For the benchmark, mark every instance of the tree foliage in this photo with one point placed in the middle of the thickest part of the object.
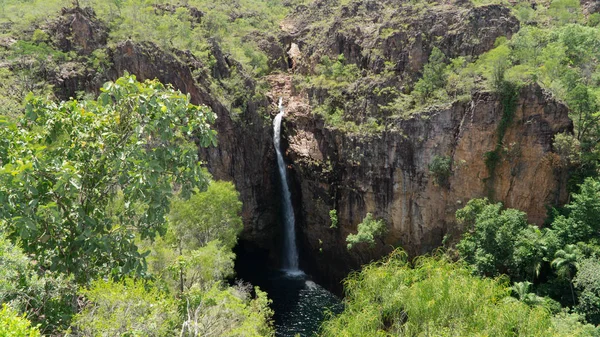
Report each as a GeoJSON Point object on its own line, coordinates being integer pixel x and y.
{"type": "Point", "coordinates": [48, 298]}
{"type": "Point", "coordinates": [581, 224]}
{"type": "Point", "coordinates": [490, 245]}
{"type": "Point", "coordinates": [126, 308]}
{"type": "Point", "coordinates": [434, 76]}
{"type": "Point", "coordinates": [441, 169]}
{"type": "Point", "coordinates": [368, 230]}
{"type": "Point", "coordinates": [587, 281]}
{"type": "Point", "coordinates": [206, 216]}
{"type": "Point", "coordinates": [227, 312]}
{"type": "Point", "coordinates": [65, 165]}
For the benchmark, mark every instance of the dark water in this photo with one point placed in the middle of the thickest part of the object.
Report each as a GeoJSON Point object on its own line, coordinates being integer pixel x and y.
{"type": "Point", "coordinates": [299, 304]}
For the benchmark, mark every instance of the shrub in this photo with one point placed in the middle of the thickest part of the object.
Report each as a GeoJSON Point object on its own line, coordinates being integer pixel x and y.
{"type": "Point", "coordinates": [13, 325]}
{"type": "Point", "coordinates": [48, 299]}
{"type": "Point", "coordinates": [440, 169]}
{"type": "Point", "coordinates": [334, 218]}
{"type": "Point", "coordinates": [587, 280]}
{"type": "Point", "coordinates": [228, 312]}
{"type": "Point", "coordinates": [437, 298]}
{"type": "Point", "coordinates": [434, 76]}
{"type": "Point", "coordinates": [127, 308]}
{"type": "Point", "coordinates": [368, 229]}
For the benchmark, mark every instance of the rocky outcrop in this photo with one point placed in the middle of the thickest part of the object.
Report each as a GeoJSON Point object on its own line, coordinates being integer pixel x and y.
{"type": "Point", "coordinates": [78, 29]}
{"type": "Point", "coordinates": [195, 15]}
{"type": "Point", "coordinates": [371, 33]}
{"type": "Point", "coordinates": [590, 6]}
{"type": "Point", "coordinates": [388, 175]}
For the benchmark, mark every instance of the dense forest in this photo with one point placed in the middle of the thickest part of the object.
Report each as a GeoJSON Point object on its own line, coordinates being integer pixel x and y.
{"type": "Point", "coordinates": [443, 161]}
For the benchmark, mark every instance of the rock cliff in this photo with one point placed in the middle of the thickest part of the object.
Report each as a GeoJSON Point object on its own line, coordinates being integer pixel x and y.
{"type": "Point", "coordinates": [388, 175]}
{"type": "Point", "coordinates": [245, 153]}
{"type": "Point", "coordinates": [385, 173]}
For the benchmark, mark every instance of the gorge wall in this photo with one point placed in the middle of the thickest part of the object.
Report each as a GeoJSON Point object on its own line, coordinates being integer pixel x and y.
{"type": "Point", "coordinates": [387, 173]}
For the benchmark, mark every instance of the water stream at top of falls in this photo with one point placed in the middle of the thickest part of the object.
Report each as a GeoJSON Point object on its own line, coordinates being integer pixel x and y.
{"type": "Point", "coordinates": [290, 250]}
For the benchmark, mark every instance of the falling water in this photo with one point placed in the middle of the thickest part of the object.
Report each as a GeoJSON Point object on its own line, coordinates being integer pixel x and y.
{"type": "Point", "coordinates": [299, 304]}
{"type": "Point", "coordinates": [290, 258]}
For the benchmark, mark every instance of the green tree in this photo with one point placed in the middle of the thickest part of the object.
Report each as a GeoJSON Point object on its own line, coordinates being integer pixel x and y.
{"type": "Point", "coordinates": [206, 216]}
{"type": "Point", "coordinates": [434, 76]}
{"type": "Point", "coordinates": [49, 299]}
{"type": "Point", "coordinates": [532, 247]}
{"type": "Point", "coordinates": [568, 148]}
{"type": "Point", "coordinates": [368, 230]}
{"type": "Point", "coordinates": [581, 224]}
{"type": "Point", "coordinates": [204, 266]}
{"type": "Point", "coordinates": [587, 281]}
{"type": "Point", "coordinates": [440, 169]}
{"type": "Point", "coordinates": [229, 312]}
{"type": "Point", "coordinates": [585, 111]}
{"type": "Point", "coordinates": [202, 231]}
{"type": "Point", "coordinates": [64, 165]}
{"type": "Point", "coordinates": [566, 262]}
{"type": "Point", "coordinates": [491, 244]}
{"type": "Point", "coordinates": [565, 11]}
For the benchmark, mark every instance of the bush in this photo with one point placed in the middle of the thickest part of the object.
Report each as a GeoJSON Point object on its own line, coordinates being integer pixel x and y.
{"type": "Point", "coordinates": [587, 280]}
{"type": "Point", "coordinates": [13, 325]}
{"type": "Point", "coordinates": [228, 312]}
{"type": "Point", "coordinates": [440, 169]}
{"type": "Point", "coordinates": [48, 299]}
{"type": "Point", "coordinates": [368, 229]}
{"type": "Point", "coordinates": [499, 241]}
{"type": "Point", "coordinates": [436, 298]}
{"type": "Point", "coordinates": [127, 308]}
{"type": "Point", "coordinates": [334, 218]}
{"type": "Point", "coordinates": [434, 76]}
{"type": "Point", "coordinates": [210, 215]}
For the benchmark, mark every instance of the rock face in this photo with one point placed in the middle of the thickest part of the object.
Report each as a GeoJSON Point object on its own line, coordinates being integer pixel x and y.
{"type": "Point", "coordinates": [78, 29]}
{"type": "Point", "coordinates": [388, 175]}
{"type": "Point", "coordinates": [590, 6]}
{"type": "Point", "coordinates": [245, 152]}
{"type": "Point", "coordinates": [370, 33]}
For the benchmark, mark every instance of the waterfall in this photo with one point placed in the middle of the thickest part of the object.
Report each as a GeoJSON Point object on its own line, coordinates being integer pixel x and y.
{"type": "Point", "coordinates": [290, 251]}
